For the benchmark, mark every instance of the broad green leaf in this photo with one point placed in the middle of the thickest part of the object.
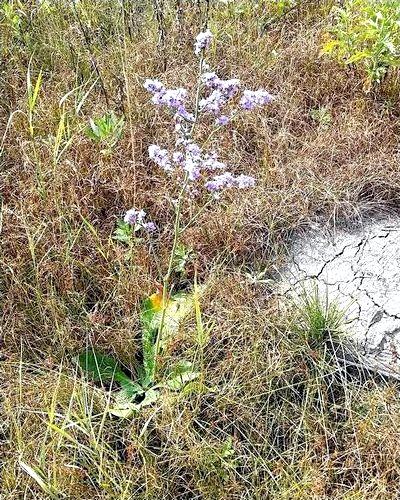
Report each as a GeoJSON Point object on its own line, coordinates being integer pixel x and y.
{"type": "Point", "coordinates": [151, 396]}
{"type": "Point", "coordinates": [129, 391]}
{"type": "Point", "coordinates": [194, 387]}
{"type": "Point", "coordinates": [107, 128]}
{"type": "Point", "coordinates": [180, 375]}
{"type": "Point", "coordinates": [123, 232]}
{"type": "Point", "coordinates": [101, 367]}
{"type": "Point", "coordinates": [177, 308]}
{"type": "Point", "coordinates": [126, 410]}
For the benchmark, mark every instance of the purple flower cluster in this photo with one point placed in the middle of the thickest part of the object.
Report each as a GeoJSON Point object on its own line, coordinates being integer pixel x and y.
{"type": "Point", "coordinates": [136, 218]}
{"type": "Point", "coordinates": [213, 103]}
{"type": "Point", "coordinates": [255, 98]}
{"type": "Point", "coordinates": [203, 41]}
{"type": "Point", "coordinates": [173, 99]}
{"type": "Point", "coordinates": [187, 157]}
{"type": "Point", "coordinates": [210, 79]}
{"type": "Point", "coordinates": [222, 120]}
{"type": "Point", "coordinates": [154, 86]}
{"type": "Point", "coordinates": [222, 92]}
{"type": "Point", "coordinates": [133, 216]}
{"type": "Point", "coordinates": [227, 180]}
{"type": "Point", "coordinates": [160, 157]}
{"type": "Point", "coordinates": [227, 87]}
{"type": "Point", "coordinates": [192, 160]}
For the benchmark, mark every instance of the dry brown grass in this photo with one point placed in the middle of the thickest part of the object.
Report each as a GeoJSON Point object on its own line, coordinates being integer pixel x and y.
{"type": "Point", "coordinates": [296, 430]}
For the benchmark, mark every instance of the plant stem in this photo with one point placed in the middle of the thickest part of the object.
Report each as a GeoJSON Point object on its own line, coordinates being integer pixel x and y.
{"type": "Point", "coordinates": [167, 276]}
{"type": "Point", "coordinates": [198, 90]}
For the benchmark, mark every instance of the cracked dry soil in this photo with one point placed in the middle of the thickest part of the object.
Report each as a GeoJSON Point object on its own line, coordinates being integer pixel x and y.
{"type": "Point", "coordinates": [359, 269]}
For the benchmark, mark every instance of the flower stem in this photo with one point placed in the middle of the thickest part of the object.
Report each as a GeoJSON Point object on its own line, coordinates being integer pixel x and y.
{"type": "Point", "coordinates": [198, 90]}
{"type": "Point", "coordinates": [167, 277]}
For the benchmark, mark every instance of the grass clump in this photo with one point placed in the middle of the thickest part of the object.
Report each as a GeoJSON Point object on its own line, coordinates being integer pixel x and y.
{"type": "Point", "coordinates": [318, 320]}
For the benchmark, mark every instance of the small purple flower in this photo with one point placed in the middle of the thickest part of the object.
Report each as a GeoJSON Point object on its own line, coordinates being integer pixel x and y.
{"type": "Point", "coordinates": [213, 103]}
{"type": "Point", "coordinates": [157, 98]}
{"type": "Point", "coordinates": [244, 181]}
{"type": "Point", "coordinates": [134, 217]}
{"type": "Point", "coordinates": [154, 86]}
{"type": "Point", "coordinates": [150, 227]}
{"type": "Point", "coordinates": [183, 113]}
{"type": "Point", "coordinates": [219, 182]}
{"type": "Point", "coordinates": [255, 98]}
{"type": "Point", "coordinates": [229, 87]}
{"type": "Point", "coordinates": [216, 165]}
{"type": "Point", "coordinates": [203, 41]}
{"type": "Point", "coordinates": [160, 157]}
{"type": "Point", "coordinates": [210, 80]}
{"type": "Point", "coordinates": [223, 91]}
{"type": "Point", "coordinates": [173, 98]}
{"type": "Point", "coordinates": [227, 180]}
{"type": "Point", "coordinates": [178, 157]}
{"type": "Point", "coordinates": [213, 186]}
{"type": "Point", "coordinates": [211, 163]}
{"type": "Point", "coordinates": [192, 168]}
{"type": "Point", "coordinates": [193, 149]}
{"type": "Point", "coordinates": [222, 120]}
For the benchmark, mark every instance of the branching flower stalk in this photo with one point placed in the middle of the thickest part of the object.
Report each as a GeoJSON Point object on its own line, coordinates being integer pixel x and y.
{"type": "Point", "coordinates": [190, 167]}
{"type": "Point", "coordinates": [177, 226]}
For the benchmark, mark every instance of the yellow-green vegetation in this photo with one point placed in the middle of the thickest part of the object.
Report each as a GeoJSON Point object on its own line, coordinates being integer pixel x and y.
{"type": "Point", "coordinates": [164, 366]}
{"type": "Point", "coordinates": [366, 33]}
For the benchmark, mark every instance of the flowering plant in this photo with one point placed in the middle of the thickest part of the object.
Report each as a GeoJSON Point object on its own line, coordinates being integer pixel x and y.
{"type": "Point", "coordinates": [190, 165]}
